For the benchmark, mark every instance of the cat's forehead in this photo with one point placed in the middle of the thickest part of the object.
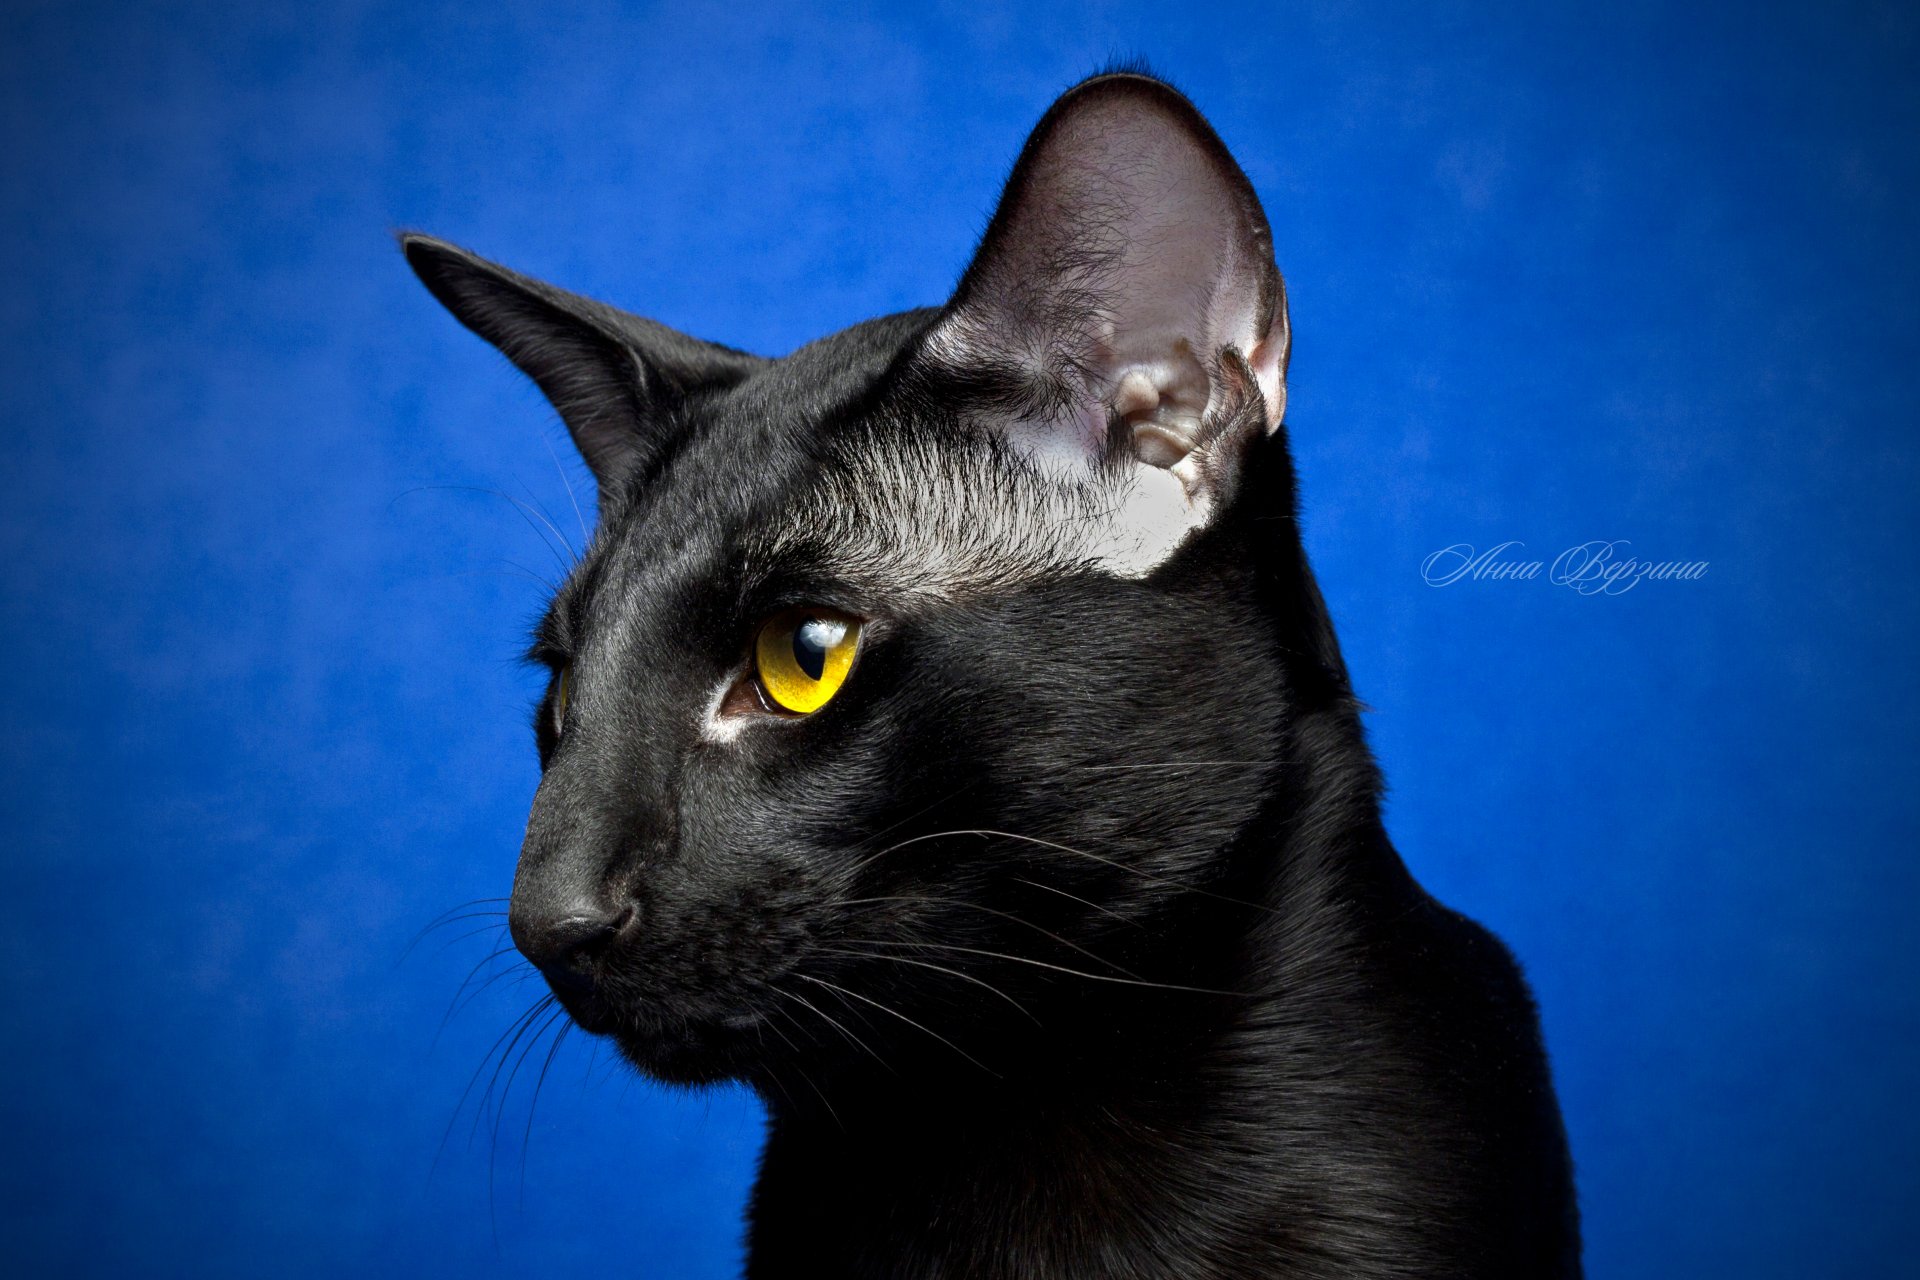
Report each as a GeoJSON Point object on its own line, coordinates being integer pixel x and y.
{"type": "Point", "coordinates": [834, 466]}
{"type": "Point", "coordinates": [738, 457]}
{"type": "Point", "coordinates": [914, 506]}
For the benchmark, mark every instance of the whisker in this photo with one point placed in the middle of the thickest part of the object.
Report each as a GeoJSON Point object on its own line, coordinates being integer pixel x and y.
{"type": "Point", "coordinates": [1065, 848]}
{"type": "Point", "coordinates": [783, 1035]}
{"type": "Point", "coordinates": [585, 537]}
{"type": "Point", "coordinates": [533, 1105]}
{"type": "Point", "coordinates": [547, 520]}
{"type": "Point", "coordinates": [471, 902]}
{"type": "Point", "coordinates": [808, 1081]}
{"type": "Point", "coordinates": [499, 1111]}
{"type": "Point", "coordinates": [1105, 911]}
{"type": "Point", "coordinates": [539, 579]}
{"type": "Point", "coordinates": [457, 939]}
{"type": "Point", "coordinates": [781, 1085]}
{"type": "Point", "coordinates": [799, 1070]}
{"type": "Point", "coordinates": [506, 569]}
{"type": "Point", "coordinates": [518, 1025]}
{"type": "Point", "coordinates": [593, 1060]}
{"type": "Point", "coordinates": [506, 1092]}
{"type": "Point", "coordinates": [792, 995]}
{"type": "Point", "coordinates": [533, 1102]}
{"type": "Point", "coordinates": [904, 1018]}
{"type": "Point", "coordinates": [527, 513]}
{"type": "Point", "coordinates": [452, 915]}
{"type": "Point", "coordinates": [1042, 964]}
{"type": "Point", "coordinates": [1181, 764]}
{"type": "Point", "coordinates": [895, 826]}
{"type": "Point", "coordinates": [1004, 915]}
{"type": "Point", "coordinates": [526, 1025]}
{"type": "Point", "coordinates": [927, 964]}
{"type": "Point", "coordinates": [456, 1004]}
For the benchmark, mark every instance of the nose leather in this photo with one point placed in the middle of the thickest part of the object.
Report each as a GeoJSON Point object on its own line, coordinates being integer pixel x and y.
{"type": "Point", "coordinates": [564, 945]}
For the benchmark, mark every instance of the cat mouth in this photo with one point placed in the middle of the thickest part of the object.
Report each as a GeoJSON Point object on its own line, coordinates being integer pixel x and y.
{"type": "Point", "coordinates": [590, 1013]}
{"type": "Point", "coordinates": [671, 1046]}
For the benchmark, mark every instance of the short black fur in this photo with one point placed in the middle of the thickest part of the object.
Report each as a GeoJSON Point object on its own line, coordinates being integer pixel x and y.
{"type": "Point", "coordinates": [1066, 940]}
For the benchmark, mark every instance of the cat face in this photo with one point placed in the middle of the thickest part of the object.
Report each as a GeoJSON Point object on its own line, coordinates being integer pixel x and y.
{"type": "Point", "coordinates": [910, 680]}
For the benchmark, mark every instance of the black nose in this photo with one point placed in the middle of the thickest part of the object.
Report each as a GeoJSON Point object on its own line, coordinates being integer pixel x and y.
{"type": "Point", "coordinates": [566, 945]}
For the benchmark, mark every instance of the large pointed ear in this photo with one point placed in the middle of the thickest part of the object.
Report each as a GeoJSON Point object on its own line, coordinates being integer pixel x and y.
{"type": "Point", "coordinates": [614, 378]}
{"type": "Point", "coordinates": [1125, 286]}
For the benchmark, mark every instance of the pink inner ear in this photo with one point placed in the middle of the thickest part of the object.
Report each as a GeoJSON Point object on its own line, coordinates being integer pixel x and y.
{"type": "Point", "coordinates": [1128, 251]}
{"type": "Point", "coordinates": [1268, 360]}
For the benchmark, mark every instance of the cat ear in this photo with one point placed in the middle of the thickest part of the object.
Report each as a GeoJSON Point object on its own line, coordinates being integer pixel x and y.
{"type": "Point", "coordinates": [1126, 285]}
{"type": "Point", "coordinates": [614, 378]}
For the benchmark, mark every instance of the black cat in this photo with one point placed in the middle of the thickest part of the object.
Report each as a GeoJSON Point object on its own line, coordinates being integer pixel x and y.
{"type": "Point", "coordinates": [947, 737]}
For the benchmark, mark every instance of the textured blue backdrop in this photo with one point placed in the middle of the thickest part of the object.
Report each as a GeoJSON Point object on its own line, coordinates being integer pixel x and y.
{"type": "Point", "coordinates": [1605, 272]}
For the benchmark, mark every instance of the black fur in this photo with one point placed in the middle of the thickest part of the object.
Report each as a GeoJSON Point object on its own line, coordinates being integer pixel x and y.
{"type": "Point", "coordinates": [1065, 941]}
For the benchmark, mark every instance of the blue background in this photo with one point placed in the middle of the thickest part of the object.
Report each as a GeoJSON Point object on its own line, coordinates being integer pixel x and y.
{"type": "Point", "coordinates": [1593, 272]}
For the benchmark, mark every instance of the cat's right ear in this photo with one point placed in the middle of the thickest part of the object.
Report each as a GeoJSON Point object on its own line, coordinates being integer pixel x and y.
{"type": "Point", "coordinates": [1124, 299]}
{"type": "Point", "coordinates": [614, 378]}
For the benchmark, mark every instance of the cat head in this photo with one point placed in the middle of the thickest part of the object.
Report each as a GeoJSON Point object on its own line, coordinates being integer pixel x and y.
{"type": "Point", "coordinates": [930, 666]}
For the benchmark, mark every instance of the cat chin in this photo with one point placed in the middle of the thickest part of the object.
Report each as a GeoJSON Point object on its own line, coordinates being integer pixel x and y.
{"type": "Point", "coordinates": [669, 1046]}
{"type": "Point", "coordinates": [692, 1053]}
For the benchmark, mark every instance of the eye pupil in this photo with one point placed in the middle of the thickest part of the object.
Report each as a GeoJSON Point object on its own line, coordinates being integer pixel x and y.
{"type": "Point", "coordinates": [812, 641]}
{"type": "Point", "coordinates": [802, 656]}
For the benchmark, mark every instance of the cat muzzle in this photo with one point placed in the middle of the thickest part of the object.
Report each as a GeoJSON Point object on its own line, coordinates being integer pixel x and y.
{"type": "Point", "coordinates": [566, 946]}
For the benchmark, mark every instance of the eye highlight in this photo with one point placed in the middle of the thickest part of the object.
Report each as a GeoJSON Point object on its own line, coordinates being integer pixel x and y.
{"type": "Point", "coordinates": [802, 656]}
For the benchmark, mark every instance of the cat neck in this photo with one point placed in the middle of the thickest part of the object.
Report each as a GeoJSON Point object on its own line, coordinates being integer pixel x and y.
{"type": "Point", "coordinates": [1109, 1132]}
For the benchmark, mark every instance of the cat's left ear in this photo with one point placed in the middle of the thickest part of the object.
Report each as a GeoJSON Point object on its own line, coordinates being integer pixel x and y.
{"type": "Point", "coordinates": [1125, 289]}
{"type": "Point", "coordinates": [614, 378]}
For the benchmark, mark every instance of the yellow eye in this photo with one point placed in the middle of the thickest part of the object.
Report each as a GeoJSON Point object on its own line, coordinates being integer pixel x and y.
{"type": "Point", "coordinates": [802, 656]}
